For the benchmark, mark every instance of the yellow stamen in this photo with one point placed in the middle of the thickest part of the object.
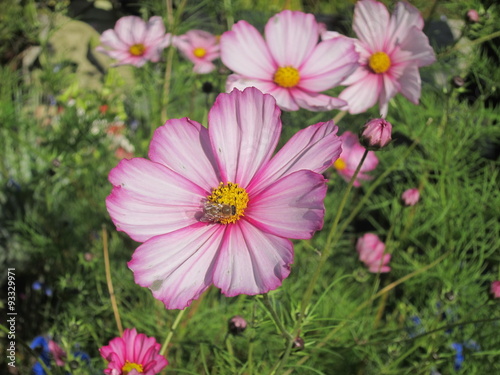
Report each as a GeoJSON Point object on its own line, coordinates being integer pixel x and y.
{"type": "Point", "coordinates": [286, 76]}
{"type": "Point", "coordinates": [340, 164]}
{"type": "Point", "coordinates": [137, 49]}
{"type": "Point", "coordinates": [199, 52]}
{"type": "Point", "coordinates": [129, 366]}
{"type": "Point", "coordinates": [379, 62]}
{"type": "Point", "coordinates": [226, 204]}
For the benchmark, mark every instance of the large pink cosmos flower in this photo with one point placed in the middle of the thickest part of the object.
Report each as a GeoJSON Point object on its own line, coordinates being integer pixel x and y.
{"type": "Point", "coordinates": [215, 207]}
{"type": "Point", "coordinates": [371, 253]}
{"type": "Point", "coordinates": [391, 48]}
{"type": "Point", "coordinates": [200, 47]}
{"type": "Point", "coordinates": [289, 64]}
{"type": "Point", "coordinates": [352, 153]}
{"type": "Point", "coordinates": [134, 41]}
{"type": "Point", "coordinates": [133, 354]}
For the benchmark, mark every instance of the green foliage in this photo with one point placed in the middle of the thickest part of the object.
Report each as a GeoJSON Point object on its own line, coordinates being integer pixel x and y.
{"type": "Point", "coordinates": [59, 143]}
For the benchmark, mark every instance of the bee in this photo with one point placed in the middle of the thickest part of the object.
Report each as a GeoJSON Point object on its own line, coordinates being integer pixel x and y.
{"type": "Point", "coordinates": [216, 211]}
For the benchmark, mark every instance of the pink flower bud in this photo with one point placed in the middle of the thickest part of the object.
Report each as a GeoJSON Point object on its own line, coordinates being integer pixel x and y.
{"type": "Point", "coordinates": [371, 252]}
{"type": "Point", "coordinates": [473, 16]}
{"type": "Point", "coordinates": [410, 197]}
{"type": "Point", "coordinates": [495, 289]}
{"type": "Point", "coordinates": [376, 134]}
{"type": "Point", "coordinates": [237, 325]}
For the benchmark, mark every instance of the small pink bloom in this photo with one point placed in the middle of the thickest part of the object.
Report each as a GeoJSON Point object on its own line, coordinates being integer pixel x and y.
{"type": "Point", "coordinates": [214, 206]}
{"type": "Point", "coordinates": [371, 253]}
{"type": "Point", "coordinates": [289, 64]}
{"type": "Point", "coordinates": [133, 354]}
{"type": "Point", "coordinates": [200, 47]}
{"type": "Point", "coordinates": [57, 352]}
{"type": "Point", "coordinates": [391, 49]}
{"type": "Point", "coordinates": [352, 153]}
{"type": "Point", "coordinates": [495, 289]}
{"type": "Point", "coordinates": [410, 197]}
{"type": "Point", "coordinates": [376, 134]}
{"type": "Point", "coordinates": [134, 41]}
{"type": "Point", "coordinates": [473, 16]}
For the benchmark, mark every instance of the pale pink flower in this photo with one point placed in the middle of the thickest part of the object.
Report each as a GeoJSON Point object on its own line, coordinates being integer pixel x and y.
{"type": "Point", "coordinates": [289, 64]}
{"type": "Point", "coordinates": [410, 197]}
{"type": "Point", "coordinates": [376, 134]}
{"type": "Point", "coordinates": [352, 153]}
{"type": "Point", "coordinates": [391, 49]}
{"type": "Point", "coordinates": [472, 16]}
{"type": "Point", "coordinates": [495, 289]}
{"type": "Point", "coordinates": [57, 352]}
{"type": "Point", "coordinates": [200, 47]}
{"type": "Point", "coordinates": [133, 354]}
{"type": "Point", "coordinates": [215, 206]}
{"type": "Point", "coordinates": [133, 41]}
{"type": "Point", "coordinates": [371, 253]}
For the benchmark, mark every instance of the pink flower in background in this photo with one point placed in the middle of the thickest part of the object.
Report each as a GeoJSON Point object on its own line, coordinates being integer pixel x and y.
{"type": "Point", "coordinates": [410, 197]}
{"type": "Point", "coordinates": [57, 352]}
{"type": "Point", "coordinates": [133, 354]}
{"type": "Point", "coordinates": [200, 47]}
{"type": "Point", "coordinates": [215, 206]}
{"type": "Point", "coordinates": [134, 41]}
{"type": "Point", "coordinates": [352, 153]}
{"type": "Point", "coordinates": [289, 64]}
{"type": "Point", "coordinates": [376, 134]}
{"type": "Point", "coordinates": [391, 49]}
{"type": "Point", "coordinates": [371, 253]}
{"type": "Point", "coordinates": [495, 289]}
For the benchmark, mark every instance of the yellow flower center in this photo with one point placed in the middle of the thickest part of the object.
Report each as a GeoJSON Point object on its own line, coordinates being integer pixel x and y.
{"type": "Point", "coordinates": [127, 367]}
{"type": "Point", "coordinates": [379, 62]}
{"type": "Point", "coordinates": [226, 204]}
{"type": "Point", "coordinates": [286, 76]}
{"type": "Point", "coordinates": [137, 49]}
{"type": "Point", "coordinates": [340, 164]}
{"type": "Point", "coordinates": [199, 52]}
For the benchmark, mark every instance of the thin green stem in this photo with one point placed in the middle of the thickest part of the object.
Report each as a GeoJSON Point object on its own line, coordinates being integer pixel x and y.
{"type": "Point", "coordinates": [171, 332]}
{"type": "Point", "coordinates": [276, 318]}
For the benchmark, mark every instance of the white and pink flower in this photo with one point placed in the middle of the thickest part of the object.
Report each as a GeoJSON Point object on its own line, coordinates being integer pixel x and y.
{"type": "Point", "coordinates": [215, 206]}
{"type": "Point", "coordinates": [133, 354]}
{"type": "Point", "coordinates": [134, 41]}
{"type": "Point", "coordinates": [200, 47]}
{"type": "Point", "coordinates": [352, 153]}
{"type": "Point", "coordinates": [391, 49]}
{"type": "Point", "coordinates": [410, 197]}
{"type": "Point", "coordinates": [289, 64]}
{"type": "Point", "coordinates": [372, 253]}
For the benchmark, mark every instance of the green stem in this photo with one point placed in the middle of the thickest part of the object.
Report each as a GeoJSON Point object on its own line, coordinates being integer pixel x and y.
{"type": "Point", "coordinates": [171, 332]}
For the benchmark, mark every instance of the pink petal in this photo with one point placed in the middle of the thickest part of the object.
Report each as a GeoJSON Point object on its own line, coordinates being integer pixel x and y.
{"type": "Point", "coordinates": [370, 23]}
{"type": "Point", "coordinates": [149, 199]}
{"type": "Point", "coordinates": [316, 102]}
{"type": "Point", "coordinates": [251, 261]}
{"type": "Point", "coordinates": [420, 51]}
{"type": "Point", "coordinates": [131, 30]}
{"type": "Point", "coordinates": [390, 89]}
{"type": "Point", "coordinates": [244, 130]}
{"type": "Point", "coordinates": [244, 51]}
{"type": "Point", "coordinates": [363, 94]}
{"type": "Point", "coordinates": [155, 32]}
{"type": "Point", "coordinates": [404, 18]}
{"type": "Point", "coordinates": [330, 63]}
{"type": "Point", "coordinates": [291, 37]}
{"type": "Point", "coordinates": [110, 39]}
{"type": "Point", "coordinates": [178, 266]}
{"type": "Point", "coordinates": [184, 146]}
{"type": "Point", "coordinates": [203, 67]}
{"type": "Point", "coordinates": [410, 84]}
{"type": "Point", "coordinates": [314, 148]}
{"type": "Point", "coordinates": [291, 207]}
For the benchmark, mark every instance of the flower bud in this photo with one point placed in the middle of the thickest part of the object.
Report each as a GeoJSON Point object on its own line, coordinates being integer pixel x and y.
{"type": "Point", "coordinates": [376, 134]}
{"type": "Point", "coordinates": [298, 343]}
{"type": "Point", "coordinates": [472, 16]}
{"type": "Point", "coordinates": [410, 197]}
{"type": "Point", "coordinates": [237, 325]}
{"type": "Point", "coordinates": [495, 289]}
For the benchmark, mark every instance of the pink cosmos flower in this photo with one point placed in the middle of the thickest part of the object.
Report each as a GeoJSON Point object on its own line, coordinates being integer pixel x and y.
{"type": "Point", "coordinates": [289, 64]}
{"type": "Point", "coordinates": [134, 41]}
{"type": "Point", "coordinates": [215, 207]}
{"type": "Point", "coordinates": [495, 289]}
{"type": "Point", "coordinates": [410, 197]}
{"type": "Point", "coordinates": [391, 49]}
{"type": "Point", "coordinates": [133, 354]}
{"type": "Point", "coordinates": [200, 47]}
{"type": "Point", "coordinates": [371, 252]}
{"type": "Point", "coordinates": [376, 134]}
{"type": "Point", "coordinates": [352, 153]}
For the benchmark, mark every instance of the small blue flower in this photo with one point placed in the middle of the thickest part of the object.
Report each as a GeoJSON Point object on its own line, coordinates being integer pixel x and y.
{"type": "Point", "coordinates": [459, 357]}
